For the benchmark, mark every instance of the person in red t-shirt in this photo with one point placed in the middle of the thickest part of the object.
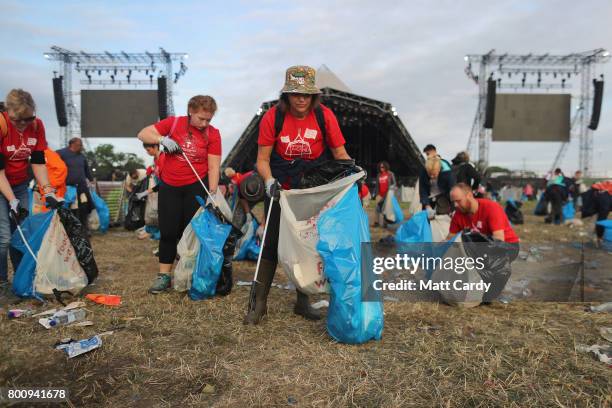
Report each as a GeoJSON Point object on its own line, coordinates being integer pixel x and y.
{"type": "Point", "coordinates": [384, 182]}
{"type": "Point", "coordinates": [300, 143]}
{"type": "Point", "coordinates": [195, 137]}
{"type": "Point", "coordinates": [22, 143]}
{"type": "Point", "coordinates": [479, 215]}
{"type": "Point", "coordinates": [487, 217]}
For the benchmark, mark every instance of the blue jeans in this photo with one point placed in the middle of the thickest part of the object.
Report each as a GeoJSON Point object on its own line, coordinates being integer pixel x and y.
{"type": "Point", "coordinates": [7, 226]}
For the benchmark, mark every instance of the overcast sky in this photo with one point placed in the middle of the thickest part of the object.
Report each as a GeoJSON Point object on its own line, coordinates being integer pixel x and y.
{"type": "Point", "coordinates": [407, 53]}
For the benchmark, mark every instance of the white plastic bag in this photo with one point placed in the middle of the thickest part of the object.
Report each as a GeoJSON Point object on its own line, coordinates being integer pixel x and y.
{"type": "Point", "coordinates": [187, 249]}
{"type": "Point", "coordinates": [388, 212]}
{"type": "Point", "coordinates": [57, 265]}
{"type": "Point", "coordinates": [415, 202]}
{"type": "Point", "coordinates": [93, 220]}
{"type": "Point", "coordinates": [151, 217]}
{"type": "Point", "coordinates": [440, 226]}
{"type": "Point", "coordinates": [298, 235]}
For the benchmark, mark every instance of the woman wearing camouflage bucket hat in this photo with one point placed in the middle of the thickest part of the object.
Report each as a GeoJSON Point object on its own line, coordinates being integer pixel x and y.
{"type": "Point", "coordinates": [295, 135]}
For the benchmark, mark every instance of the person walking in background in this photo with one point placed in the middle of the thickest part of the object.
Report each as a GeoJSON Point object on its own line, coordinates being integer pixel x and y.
{"type": "Point", "coordinates": [435, 182]}
{"type": "Point", "coordinates": [79, 176]}
{"type": "Point", "coordinates": [464, 172]}
{"type": "Point", "coordinates": [385, 181]}
{"type": "Point", "coordinates": [22, 144]}
{"type": "Point", "coordinates": [194, 137]}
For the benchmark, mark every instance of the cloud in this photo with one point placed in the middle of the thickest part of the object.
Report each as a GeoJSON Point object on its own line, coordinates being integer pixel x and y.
{"type": "Point", "coordinates": [409, 54]}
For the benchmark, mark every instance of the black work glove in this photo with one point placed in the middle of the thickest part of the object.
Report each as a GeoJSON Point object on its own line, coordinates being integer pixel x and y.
{"type": "Point", "coordinates": [273, 189]}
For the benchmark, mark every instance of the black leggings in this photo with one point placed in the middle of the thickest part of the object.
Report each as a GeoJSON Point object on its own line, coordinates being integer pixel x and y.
{"type": "Point", "coordinates": [270, 248]}
{"type": "Point", "coordinates": [603, 204]}
{"type": "Point", "coordinates": [176, 207]}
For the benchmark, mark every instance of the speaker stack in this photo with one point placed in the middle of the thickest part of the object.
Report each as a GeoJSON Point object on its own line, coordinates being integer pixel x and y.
{"type": "Point", "coordinates": [162, 100]}
{"type": "Point", "coordinates": [490, 108]}
{"type": "Point", "coordinates": [60, 103]}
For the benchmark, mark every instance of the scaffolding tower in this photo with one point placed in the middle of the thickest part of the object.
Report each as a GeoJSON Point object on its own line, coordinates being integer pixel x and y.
{"type": "Point", "coordinates": [553, 72]}
{"type": "Point", "coordinates": [112, 70]}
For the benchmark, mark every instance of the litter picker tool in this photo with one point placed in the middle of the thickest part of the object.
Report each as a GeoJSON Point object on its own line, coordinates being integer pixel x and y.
{"type": "Point", "coordinates": [199, 178]}
{"type": "Point", "coordinates": [263, 243]}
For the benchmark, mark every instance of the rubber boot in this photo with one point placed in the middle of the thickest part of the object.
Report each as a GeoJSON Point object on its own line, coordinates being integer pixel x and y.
{"type": "Point", "coordinates": [259, 306]}
{"type": "Point", "coordinates": [303, 308]}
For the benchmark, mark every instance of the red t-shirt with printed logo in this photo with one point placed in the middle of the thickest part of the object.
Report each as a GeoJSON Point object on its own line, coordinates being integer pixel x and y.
{"type": "Point", "coordinates": [176, 171]}
{"type": "Point", "coordinates": [383, 183]}
{"type": "Point", "coordinates": [300, 138]}
{"type": "Point", "coordinates": [17, 147]}
{"type": "Point", "coordinates": [489, 217]}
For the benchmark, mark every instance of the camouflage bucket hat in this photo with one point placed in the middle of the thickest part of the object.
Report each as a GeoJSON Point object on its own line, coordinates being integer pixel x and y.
{"type": "Point", "coordinates": [300, 79]}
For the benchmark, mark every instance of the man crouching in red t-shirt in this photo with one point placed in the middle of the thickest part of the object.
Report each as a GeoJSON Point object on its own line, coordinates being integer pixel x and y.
{"type": "Point", "coordinates": [483, 216]}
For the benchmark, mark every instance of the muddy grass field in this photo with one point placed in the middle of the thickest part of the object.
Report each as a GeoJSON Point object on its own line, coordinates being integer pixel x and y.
{"type": "Point", "coordinates": [170, 351]}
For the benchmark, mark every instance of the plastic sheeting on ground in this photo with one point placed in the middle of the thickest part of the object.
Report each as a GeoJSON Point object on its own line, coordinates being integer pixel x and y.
{"type": "Point", "coordinates": [298, 234]}
{"type": "Point", "coordinates": [342, 229]}
{"type": "Point", "coordinates": [56, 266]}
{"type": "Point", "coordinates": [212, 234]}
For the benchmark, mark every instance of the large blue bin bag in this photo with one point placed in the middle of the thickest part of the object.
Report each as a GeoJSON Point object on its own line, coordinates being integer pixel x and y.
{"type": "Point", "coordinates": [568, 211]}
{"type": "Point", "coordinates": [211, 233]}
{"type": "Point", "coordinates": [397, 210]}
{"type": "Point", "coordinates": [416, 229]}
{"type": "Point", "coordinates": [34, 229]}
{"type": "Point", "coordinates": [342, 229]}
{"type": "Point", "coordinates": [102, 209]}
{"type": "Point", "coordinates": [607, 224]}
{"type": "Point", "coordinates": [249, 249]}
{"type": "Point", "coordinates": [70, 196]}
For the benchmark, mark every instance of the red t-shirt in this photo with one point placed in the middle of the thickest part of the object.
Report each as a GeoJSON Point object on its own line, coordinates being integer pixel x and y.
{"type": "Point", "coordinates": [364, 191]}
{"type": "Point", "coordinates": [176, 171]}
{"type": "Point", "coordinates": [238, 177]}
{"type": "Point", "coordinates": [17, 147]}
{"type": "Point", "coordinates": [300, 138]}
{"type": "Point", "coordinates": [489, 217]}
{"type": "Point", "coordinates": [383, 183]}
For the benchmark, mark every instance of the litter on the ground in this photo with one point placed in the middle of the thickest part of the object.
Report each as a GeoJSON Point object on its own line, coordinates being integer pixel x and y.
{"type": "Point", "coordinates": [108, 300]}
{"type": "Point", "coordinates": [602, 353]}
{"type": "Point", "coordinates": [62, 318]}
{"type": "Point", "coordinates": [390, 299]}
{"type": "Point", "coordinates": [606, 333]}
{"type": "Point", "coordinates": [320, 304]}
{"type": "Point", "coordinates": [76, 348]}
{"type": "Point", "coordinates": [17, 313]}
{"type": "Point", "coordinates": [82, 324]}
{"type": "Point", "coordinates": [604, 307]}
{"type": "Point", "coordinates": [243, 283]}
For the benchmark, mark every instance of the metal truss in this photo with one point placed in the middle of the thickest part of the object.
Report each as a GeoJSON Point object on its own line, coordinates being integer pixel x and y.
{"type": "Point", "coordinates": [551, 72]}
{"type": "Point", "coordinates": [113, 70]}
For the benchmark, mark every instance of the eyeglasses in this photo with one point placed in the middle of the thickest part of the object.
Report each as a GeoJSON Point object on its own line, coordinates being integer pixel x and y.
{"type": "Point", "coordinates": [24, 120]}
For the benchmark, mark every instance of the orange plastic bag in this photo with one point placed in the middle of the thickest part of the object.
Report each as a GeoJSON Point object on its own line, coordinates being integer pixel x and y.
{"type": "Point", "coordinates": [108, 300]}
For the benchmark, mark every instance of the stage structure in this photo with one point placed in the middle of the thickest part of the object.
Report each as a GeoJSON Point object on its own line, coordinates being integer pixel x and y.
{"type": "Point", "coordinates": [111, 71]}
{"type": "Point", "coordinates": [573, 75]}
{"type": "Point", "coordinates": [372, 129]}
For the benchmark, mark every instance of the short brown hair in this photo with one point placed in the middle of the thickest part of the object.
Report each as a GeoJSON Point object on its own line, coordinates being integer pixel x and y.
{"type": "Point", "coordinates": [202, 102]}
{"type": "Point", "coordinates": [20, 101]}
{"type": "Point", "coordinates": [462, 186]}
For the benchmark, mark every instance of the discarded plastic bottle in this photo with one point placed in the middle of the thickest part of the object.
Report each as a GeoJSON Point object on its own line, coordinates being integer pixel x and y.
{"type": "Point", "coordinates": [15, 313]}
{"type": "Point", "coordinates": [66, 317]}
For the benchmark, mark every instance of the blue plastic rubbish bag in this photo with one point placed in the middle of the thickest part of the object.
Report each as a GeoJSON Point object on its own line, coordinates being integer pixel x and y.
{"type": "Point", "coordinates": [607, 224]}
{"type": "Point", "coordinates": [102, 209]}
{"type": "Point", "coordinates": [416, 229]}
{"type": "Point", "coordinates": [212, 234]}
{"type": "Point", "coordinates": [249, 249]}
{"type": "Point", "coordinates": [397, 210]}
{"type": "Point", "coordinates": [568, 211]}
{"type": "Point", "coordinates": [70, 196]}
{"type": "Point", "coordinates": [34, 229]}
{"type": "Point", "coordinates": [342, 229]}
